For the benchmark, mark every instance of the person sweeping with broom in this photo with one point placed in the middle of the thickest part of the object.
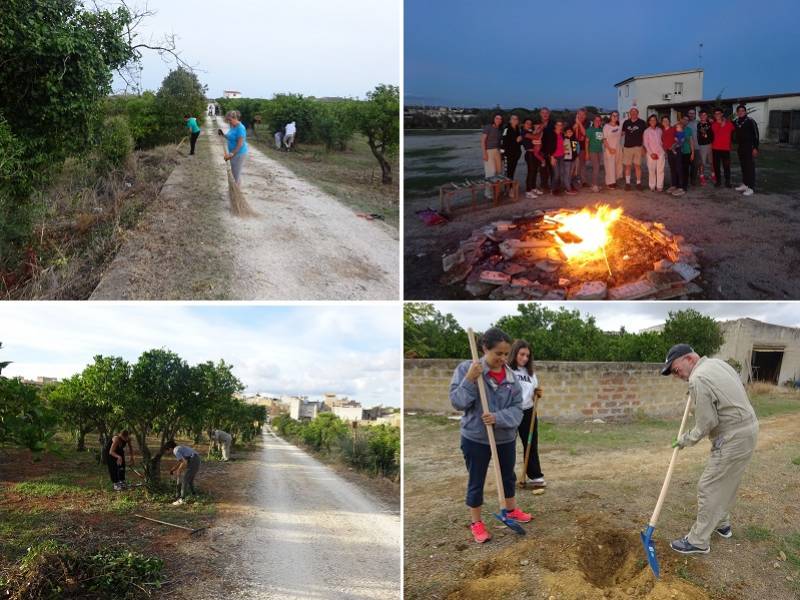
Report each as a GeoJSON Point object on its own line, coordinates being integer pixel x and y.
{"type": "Point", "coordinates": [504, 396]}
{"type": "Point", "coordinates": [521, 362]}
{"type": "Point", "coordinates": [722, 411]}
{"type": "Point", "coordinates": [237, 143]}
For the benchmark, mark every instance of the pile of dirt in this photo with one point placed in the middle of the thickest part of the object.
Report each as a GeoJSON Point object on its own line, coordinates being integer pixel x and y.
{"type": "Point", "coordinates": [602, 563]}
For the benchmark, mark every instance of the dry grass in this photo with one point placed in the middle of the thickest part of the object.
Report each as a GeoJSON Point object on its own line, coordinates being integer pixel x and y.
{"type": "Point", "coordinates": [84, 219]}
{"type": "Point", "coordinates": [761, 388]}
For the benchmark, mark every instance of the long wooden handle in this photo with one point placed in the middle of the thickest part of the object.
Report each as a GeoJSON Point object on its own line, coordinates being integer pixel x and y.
{"type": "Point", "coordinates": [662, 496]}
{"type": "Point", "coordinates": [165, 523]}
{"type": "Point", "coordinates": [501, 497]}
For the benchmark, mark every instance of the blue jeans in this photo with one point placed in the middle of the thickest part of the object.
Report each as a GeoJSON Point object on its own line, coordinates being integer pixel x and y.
{"type": "Point", "coordinates": [477, 457]}
{"type": "Point", "coordinates": [567, 167]}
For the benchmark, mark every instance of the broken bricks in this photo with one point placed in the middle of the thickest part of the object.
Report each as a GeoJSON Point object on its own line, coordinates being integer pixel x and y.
{"type": "Point", "coordinates": [494, 277]}
{"type": "Point", "coordinates": [589, 290]}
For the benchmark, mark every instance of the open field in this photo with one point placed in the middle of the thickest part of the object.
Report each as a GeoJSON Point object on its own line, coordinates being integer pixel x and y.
{"type": "Point", "coordinates": [749, 247]}
{"type": "Point", "coordinates": [583, 542]}
{"type": "Point", "coordinates": [352, 176]}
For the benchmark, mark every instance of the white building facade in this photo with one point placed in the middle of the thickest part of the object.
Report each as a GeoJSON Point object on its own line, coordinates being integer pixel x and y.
{"type": "Point", "coordinates": [643, 91]}
{"type": "Point", "coordinates": [231, 94]}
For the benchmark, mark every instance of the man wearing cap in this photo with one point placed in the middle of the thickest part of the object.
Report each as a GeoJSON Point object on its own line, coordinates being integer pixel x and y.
{"type": "Point", "coordinates": [722, 411]}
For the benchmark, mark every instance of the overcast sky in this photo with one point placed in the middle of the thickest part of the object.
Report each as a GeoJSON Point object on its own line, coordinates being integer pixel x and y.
{"type": "Point", "coordinates": [522, 53]}
{"type": "Point", "coordinates": [262, 47]}
{"type": "Point", "coordinates": [350, 350]}
{"type": "Point", "coordinates": [635, 316]}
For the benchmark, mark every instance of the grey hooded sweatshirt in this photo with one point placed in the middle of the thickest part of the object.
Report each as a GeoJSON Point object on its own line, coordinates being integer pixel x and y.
{"type": "Point", "coordinates": [505, 401]}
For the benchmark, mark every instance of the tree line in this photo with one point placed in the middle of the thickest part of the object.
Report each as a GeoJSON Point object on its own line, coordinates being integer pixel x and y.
{"type": "Point", "coordinates": [477, 118]}
{"type": "Point", "coordinates": [372, 448]}
{"type": "Point", "coordinates": [156, 398]}
{"type": "Point", "coordinates": [560, 335]}
{"type": "Point", "coordinates": [59, 59]}
{"type": "Point", "coordinates": [329, 122]}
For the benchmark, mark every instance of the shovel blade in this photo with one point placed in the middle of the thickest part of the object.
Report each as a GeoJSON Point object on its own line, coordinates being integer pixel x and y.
{"type": "Point", "coordinates": [510, 523]}
{"type": "Point", "coordinates": [650, 549]}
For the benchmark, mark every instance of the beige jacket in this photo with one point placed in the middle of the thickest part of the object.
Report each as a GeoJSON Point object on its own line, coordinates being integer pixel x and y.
{"type": "Point", "coordinates": [721, 405]}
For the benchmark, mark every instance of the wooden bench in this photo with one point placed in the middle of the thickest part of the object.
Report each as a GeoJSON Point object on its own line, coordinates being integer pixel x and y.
{"type": "Point", "coordinates": [475, 190]}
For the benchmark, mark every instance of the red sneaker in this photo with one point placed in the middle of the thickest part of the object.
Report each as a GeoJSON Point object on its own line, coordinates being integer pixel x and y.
{"type": "Point", "coordinates": [479, 532]}
{"type": "Point", "coordinates": [518, 515]}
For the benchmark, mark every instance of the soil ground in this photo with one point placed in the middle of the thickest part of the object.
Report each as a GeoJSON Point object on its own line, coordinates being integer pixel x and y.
{"type": "Point", "coordinates": [272, 501]}
{"type": "Point", "coordinates": [749, 245]}
{"type": "Point", "coordinates": [603, 482]}
{"type": "Point", "coordinates": [303, 244]}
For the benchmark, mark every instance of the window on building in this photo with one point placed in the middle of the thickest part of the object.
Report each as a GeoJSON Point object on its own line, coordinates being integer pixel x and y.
{"type": "Point", "coordinates": [627, 90]}
{"type": "Point", "coordinates": [679, 87]}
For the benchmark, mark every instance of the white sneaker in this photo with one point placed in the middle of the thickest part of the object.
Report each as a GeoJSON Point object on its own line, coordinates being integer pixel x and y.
{"type": "Point", "coordinates": [748, 192]}
{"type": "Point", "coordinates": [671, 189]}
{"type": "Point", "coordinates": [117, 487]}
{"type": "Point", "coordinates": [539, 191]}
{"type": "Point", "coordinates": [595, 188]}
{"type": "Point", "coordinates": [678, 192]}
{"type": "Point", "coordinates": [740, 188]}
{"type": "Point", "coordinates": [530, 194]}
{"type": "Point", "coordinates": [539, 482]}
{"type": "Point", "coordinates": [178, 502]}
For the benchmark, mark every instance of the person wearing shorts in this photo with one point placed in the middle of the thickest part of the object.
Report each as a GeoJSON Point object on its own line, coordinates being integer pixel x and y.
{"type": "Point", "coordinates": [633, 148]}
{"type": "Point", "coordinates": [705, 137]}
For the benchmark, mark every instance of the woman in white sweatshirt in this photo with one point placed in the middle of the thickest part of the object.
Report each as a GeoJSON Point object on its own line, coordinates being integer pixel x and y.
{"type": "Point", "coordinates": [655, 154]}
{"type": "Point", "coordinates": [520, 360]}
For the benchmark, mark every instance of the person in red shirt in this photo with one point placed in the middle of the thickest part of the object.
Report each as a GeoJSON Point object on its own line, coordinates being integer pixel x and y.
{"type": "Point", "coordinates": [721, 146]}
{"type": "Point", "coordinates": [668, 141]}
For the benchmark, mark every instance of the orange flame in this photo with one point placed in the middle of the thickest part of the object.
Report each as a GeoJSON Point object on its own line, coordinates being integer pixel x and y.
{"type": "Point", "coordinates": [591, 226]}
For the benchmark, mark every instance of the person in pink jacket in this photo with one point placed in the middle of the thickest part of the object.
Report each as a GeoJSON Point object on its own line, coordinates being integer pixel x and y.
{"type": "Point", "coordinates": [655, 155]}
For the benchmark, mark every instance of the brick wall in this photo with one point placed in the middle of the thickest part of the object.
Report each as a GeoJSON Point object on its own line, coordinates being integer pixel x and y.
{"type": "Point", "coordinates": [573, 391]}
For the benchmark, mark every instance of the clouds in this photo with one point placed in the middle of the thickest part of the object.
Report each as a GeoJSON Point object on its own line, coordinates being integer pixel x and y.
{"type": "Point", "coordinates": [313, 47]}
{"type": "Point", "coordinates": [352, 350]}
{"type": "Point", "coordinates": [634, 316]}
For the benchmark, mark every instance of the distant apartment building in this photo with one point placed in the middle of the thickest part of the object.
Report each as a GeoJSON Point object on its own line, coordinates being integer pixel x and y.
{"type": "Point", "coordinates": [349, 413]}
{"type": "Point", "coordinates": [231, 94]}
{"type": "Point", "coordinates": [39, 381]}
{"type": "Point", "coordinates": [301, 409]}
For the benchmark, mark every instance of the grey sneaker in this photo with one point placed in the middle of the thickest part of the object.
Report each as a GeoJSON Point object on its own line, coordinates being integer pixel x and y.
{"type": "Point", "coordinates": [725, 532]}
{"type": "Point", "coordinates": [684, 547]}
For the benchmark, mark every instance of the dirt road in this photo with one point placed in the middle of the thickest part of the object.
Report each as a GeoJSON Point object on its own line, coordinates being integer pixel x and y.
{"type": "Point", "coordinates": [300, 531]}
{"type": "Point", "coordinates": [302, 245]}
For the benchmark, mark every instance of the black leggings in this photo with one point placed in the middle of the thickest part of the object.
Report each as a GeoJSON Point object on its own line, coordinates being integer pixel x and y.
{"type": "Point", "coordinates": [115, 471]}
{"type": "Point", "coordinates": [193, 141]}
{"type": "Point", "coordinates": [534, 468]}
{"type": "Point", "coordinates": [533, 170]}
{"type": "Point", "coordinates": [686, 166]}
{"type": "Point", "coordinates": [511, 164]}
{"type": "Point", "coordinates": [723, 156]}
{"type": "Point", "coordinates": [748, 165]}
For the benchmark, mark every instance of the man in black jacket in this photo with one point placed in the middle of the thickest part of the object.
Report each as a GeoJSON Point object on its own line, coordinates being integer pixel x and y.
{"type": "Point", "coordinates": [511, 145]}
{"type": "Point", "coordinates": [548, 146]}
{"type": "Point", "coordinates": [747, 143]}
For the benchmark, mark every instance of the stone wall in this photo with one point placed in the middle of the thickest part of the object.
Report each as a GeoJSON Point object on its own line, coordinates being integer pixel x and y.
{"type": "Point", "coordinates": [573, 391]}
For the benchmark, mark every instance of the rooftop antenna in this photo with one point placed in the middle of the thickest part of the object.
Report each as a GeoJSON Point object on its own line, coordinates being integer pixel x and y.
{"type": "Point", "coordinates": [700, 56]}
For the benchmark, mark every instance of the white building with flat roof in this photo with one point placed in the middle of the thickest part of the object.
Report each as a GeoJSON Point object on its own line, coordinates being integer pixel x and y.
{"type": "Point", "coordinates": [643, 91]}
{"type": "Point", "coordinates": [231, 94]}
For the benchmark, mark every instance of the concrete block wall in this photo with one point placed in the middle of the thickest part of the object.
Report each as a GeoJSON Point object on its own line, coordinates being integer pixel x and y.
{"type": "Point", "coordinates": [573, 391]}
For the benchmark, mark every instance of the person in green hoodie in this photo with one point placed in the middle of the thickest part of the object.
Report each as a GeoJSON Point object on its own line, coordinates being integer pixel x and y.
{"type": "Point", "coordinates": [194, 128]}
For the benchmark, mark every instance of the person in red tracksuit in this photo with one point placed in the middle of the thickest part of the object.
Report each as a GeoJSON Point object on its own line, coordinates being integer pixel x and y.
{"type": "Point", "coordinates": [722, 129]}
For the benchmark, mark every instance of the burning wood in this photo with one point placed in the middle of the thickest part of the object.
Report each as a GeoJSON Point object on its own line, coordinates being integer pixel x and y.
{"type": "Point", "coordinates": [593, 253]}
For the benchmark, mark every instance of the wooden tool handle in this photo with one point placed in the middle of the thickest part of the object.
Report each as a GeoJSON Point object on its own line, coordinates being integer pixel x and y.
{"type": "Point", "coordinates": [662, 496]}
{"type": "Point", "coordinates": [489, 428]}
{"type": "Point", "coordinates": [524, 476]}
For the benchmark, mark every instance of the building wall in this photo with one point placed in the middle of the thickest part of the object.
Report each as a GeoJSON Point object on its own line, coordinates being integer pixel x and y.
{"type": "Point", "coordinates": [348, 413]}
{"type": "Point", "coordinates": [742, 335]}
{"type": "Point", "coordinates": [573, 391]}
{"type": "Point", "coordinates": [650, 91]}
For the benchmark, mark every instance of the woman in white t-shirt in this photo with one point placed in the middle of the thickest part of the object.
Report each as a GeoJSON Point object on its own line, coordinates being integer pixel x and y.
{"type": "Point", "coordinates": [520, 360]}
{"type": "Point", "coordinates": [612, 153]}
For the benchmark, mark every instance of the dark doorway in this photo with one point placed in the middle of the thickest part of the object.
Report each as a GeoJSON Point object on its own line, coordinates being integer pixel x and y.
{"type": "Point", "coordinates": [766, 365]}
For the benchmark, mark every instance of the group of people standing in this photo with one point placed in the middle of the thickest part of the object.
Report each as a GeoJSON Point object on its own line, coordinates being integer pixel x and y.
{"type": "Point", "coordinates": [557, 153]}
{"type": "Point", "coordinates": [284, 138]}
{"type": "Point", "coordinates": [722, 409]}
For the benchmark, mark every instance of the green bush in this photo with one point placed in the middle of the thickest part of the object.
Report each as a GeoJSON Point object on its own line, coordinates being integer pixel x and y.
{"type": "Point", "coordinates": [142, 116]}
{"type": "Point", "coordinates": [114, 144]}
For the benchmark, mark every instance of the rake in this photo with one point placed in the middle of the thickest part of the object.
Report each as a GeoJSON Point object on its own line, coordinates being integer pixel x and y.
{"type": "Point", "coordinates": [502, 516]}
{"type": "Point", "coordinates": [239, 205]}
{"type": "Point", "coordinates": [647, 534]}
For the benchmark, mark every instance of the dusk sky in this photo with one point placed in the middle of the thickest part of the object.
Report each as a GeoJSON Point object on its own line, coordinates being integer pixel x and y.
{"type": "Point", "coordinates": [523, 53]}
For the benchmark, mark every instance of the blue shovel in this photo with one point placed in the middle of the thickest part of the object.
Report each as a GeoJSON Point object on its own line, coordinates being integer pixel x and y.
{"type": "Point", "coordinates": [647, 534]}
{"type": "Point", "coordinates": [502, 516]}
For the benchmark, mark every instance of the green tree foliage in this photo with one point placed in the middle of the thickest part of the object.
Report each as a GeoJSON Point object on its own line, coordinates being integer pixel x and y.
{"type": "Point", "coordinates": [559, 335]}
{"type": "Point", "coordinates": [429, 334]}
{"type": "Point", "coordinates": [378, 120]}
{"type": "Point", "coordinates": [114, 145]}
{"type": "Point", "coordinates": [142, 116]}
{"type": "Point", "coordinates": [25, 420]}
{"type": "Point", "coordinates": [690, 327]}
{"type": "Point", "coordinates": [57, 62]}
{"type": "Point", "coordinates": [77, 412]}
{"type": "Point", "coordinates": [334, 123]}
{"type": "Point", "coordinates": [180, 93]}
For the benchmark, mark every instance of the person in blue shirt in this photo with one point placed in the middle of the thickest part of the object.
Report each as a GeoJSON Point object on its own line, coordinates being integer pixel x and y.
{"type": "Point", "coordinates": [194, 128]}
{"type": "Point", "coordinates": [237, 143]}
